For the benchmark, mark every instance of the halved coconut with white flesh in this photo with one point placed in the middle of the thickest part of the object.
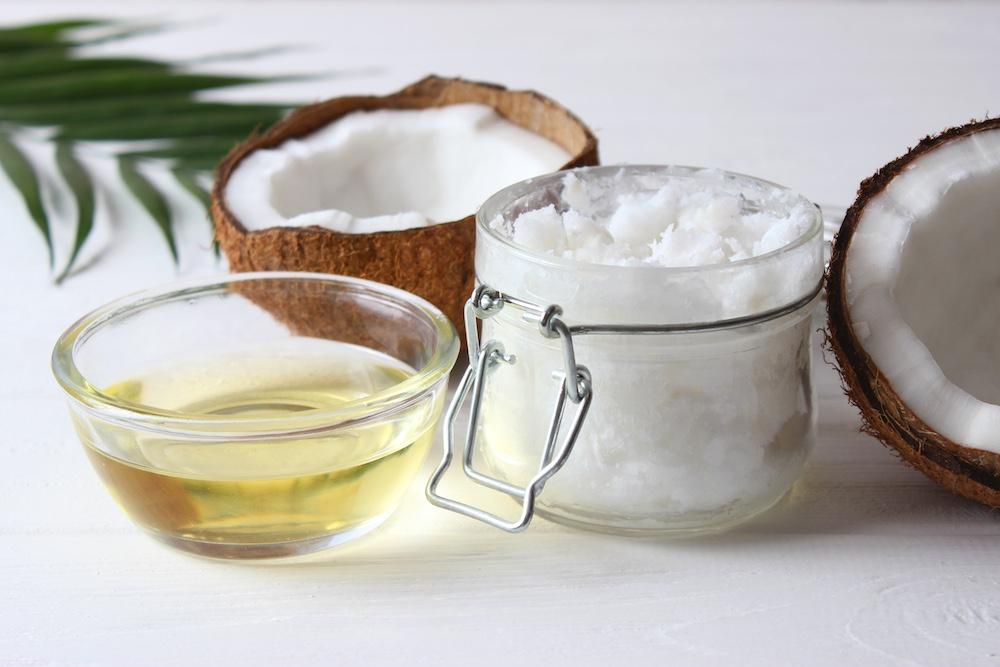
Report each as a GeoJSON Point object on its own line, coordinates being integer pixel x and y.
{"type": "Point", "coordinates": [386, 188]}
{"type": "Point", "coordinates": [914, 307]}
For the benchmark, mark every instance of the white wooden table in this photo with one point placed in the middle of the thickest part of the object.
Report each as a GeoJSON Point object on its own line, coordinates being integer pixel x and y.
{"type": "Point", "coordinates": [866, 563]}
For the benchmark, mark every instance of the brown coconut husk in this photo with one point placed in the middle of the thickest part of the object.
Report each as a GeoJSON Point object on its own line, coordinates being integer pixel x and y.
{"type": "Point", "coordinates": [435, 262]}
{"type": "Point", "coordinates": [969, 472]}
{"type": "Point", "coordinates": [318, 309]}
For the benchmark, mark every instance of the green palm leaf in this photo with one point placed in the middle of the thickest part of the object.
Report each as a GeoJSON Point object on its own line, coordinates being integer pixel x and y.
{"type": "Point", "coordinates": [46, 63]}
{"type": "Point", "coordinates": [48, 36]}
{"type": "Point", "coordinates": [189, 181]}
{"type": "Point", "coordinates": [51, 30]}
{"type": "Point", "coordinates": [22, 174]}
{"type": "Point", "coordinates": [112, 108]}
{"type": "Point", "coordinates": [192, 149]}
{"type": "Point", "coordinates": [16, 43]}
{"type": "Point", "coordinates": [194, 123]}
{"type": "Point", "coordinates": [82, 187]}
{"type": "Point", "coordinates": [92, 85]}
{"type": "Point", "coordinates": [150, 199]}
{"type": "Point", "coordinates": [44, 82]}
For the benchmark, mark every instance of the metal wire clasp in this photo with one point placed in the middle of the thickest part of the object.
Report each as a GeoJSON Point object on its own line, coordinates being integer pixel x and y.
{"type": "Point", "coordinates": [576, 388]}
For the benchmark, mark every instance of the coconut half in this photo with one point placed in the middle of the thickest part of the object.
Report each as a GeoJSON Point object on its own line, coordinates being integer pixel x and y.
{"type": "Point", "coordinates": [914, 307]}
{"type": "Point", "coordinates": [347, 201]}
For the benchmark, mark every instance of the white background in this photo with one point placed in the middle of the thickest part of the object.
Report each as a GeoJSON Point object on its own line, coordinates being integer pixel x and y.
{"type": "Point", "coordinates": [866, 563]}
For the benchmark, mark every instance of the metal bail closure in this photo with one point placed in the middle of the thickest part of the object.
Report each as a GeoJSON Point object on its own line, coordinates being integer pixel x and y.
{"type": "Point", "coordinates": [576, 388]}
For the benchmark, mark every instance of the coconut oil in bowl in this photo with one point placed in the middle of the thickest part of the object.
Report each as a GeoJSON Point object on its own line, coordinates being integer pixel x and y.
{"type": "Point", "coordinates": [645, 356]}
{"type": "Point", "coordinates": [259, 415]}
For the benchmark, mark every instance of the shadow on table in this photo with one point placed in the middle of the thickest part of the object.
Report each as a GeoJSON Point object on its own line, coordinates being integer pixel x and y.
{"type": "Point", "coordinates": [827, 502]}
{"type": "Point", "coordinates": [820, 504]}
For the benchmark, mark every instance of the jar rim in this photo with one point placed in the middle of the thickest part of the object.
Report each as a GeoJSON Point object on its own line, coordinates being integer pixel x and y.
{"type": "Point", "coordinates": [110, 408]}
{"type": "Point", "coordinates": [502, 199]}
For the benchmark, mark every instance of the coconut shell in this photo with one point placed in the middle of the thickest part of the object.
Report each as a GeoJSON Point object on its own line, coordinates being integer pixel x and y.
{"type": "Point", "coordinates": [306, 306]}
{"type": "Point", "coordinates": [435, 262]}
{"type": "Point", "coordinates": [969, 472]}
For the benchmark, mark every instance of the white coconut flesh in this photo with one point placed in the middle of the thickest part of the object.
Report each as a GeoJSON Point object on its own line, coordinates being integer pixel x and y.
{"type": "Point", "coordinates": [388, 169]}
{"type": "Point", "coordinates": [923, 287]}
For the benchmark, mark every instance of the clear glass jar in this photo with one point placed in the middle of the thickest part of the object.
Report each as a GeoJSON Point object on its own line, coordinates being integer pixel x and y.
{"type": "Point", "coordinates": [694, 427]}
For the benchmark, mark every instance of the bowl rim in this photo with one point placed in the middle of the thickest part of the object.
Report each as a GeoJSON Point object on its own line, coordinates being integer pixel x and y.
{"type": "Point", "coordinates": [193, 425]}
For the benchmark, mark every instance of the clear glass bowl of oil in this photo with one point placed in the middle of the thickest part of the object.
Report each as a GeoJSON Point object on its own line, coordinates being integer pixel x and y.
{"type": "Point", "coordinates": [258, 415]}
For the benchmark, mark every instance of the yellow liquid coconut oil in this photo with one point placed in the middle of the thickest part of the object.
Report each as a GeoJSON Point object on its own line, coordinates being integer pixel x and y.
{"type": "Point", "coordinates": [242, 490]}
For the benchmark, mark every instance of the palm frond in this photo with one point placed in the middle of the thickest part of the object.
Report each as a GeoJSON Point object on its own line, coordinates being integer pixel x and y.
{"type": "Point", "coordinates": [212, 148]}
{"type": "Point", "coordinates": [150, 199]}
{"type": "Point", "coordinates": [22, 174]}
{"type": "Point", "coordinates": [46, 83]}
{"type": "Point", "coordinates": [114, 108]}
{"type": "Point", "coordinates": [189, 181]}
{"type": "Point", "coordinates": [47, 64]}
{"type": "Point", "coordinates": [90, 85]}
{"type": "Point", "coordinates": [82, 187]}
{"type": "Point", "coordinates": [193, 123]}
{"type": "Point", "coordinates": [51, 30]}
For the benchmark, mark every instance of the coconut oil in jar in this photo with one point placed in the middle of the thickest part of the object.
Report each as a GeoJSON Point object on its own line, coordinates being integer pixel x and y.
{"type": "Point", "coordinates": [703, 414]}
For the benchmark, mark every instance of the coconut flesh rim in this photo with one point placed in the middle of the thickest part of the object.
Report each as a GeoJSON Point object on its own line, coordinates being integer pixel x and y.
{"type": "Point", "coordinates": [923, 287]}
{"type": "Point", "coordinates": [387, 170]}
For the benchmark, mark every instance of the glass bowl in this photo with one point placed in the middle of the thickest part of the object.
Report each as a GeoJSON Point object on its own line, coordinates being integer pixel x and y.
{"type": "Point", "coordinates": [258, 415]}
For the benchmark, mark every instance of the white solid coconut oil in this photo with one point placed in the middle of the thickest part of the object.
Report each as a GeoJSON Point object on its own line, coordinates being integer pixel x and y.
{"type": "Point", "coordinates": [688, 431]}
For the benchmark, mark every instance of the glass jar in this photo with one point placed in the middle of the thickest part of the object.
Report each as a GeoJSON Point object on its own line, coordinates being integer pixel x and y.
{"type": "Point", "coordinates": [690, 395]}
